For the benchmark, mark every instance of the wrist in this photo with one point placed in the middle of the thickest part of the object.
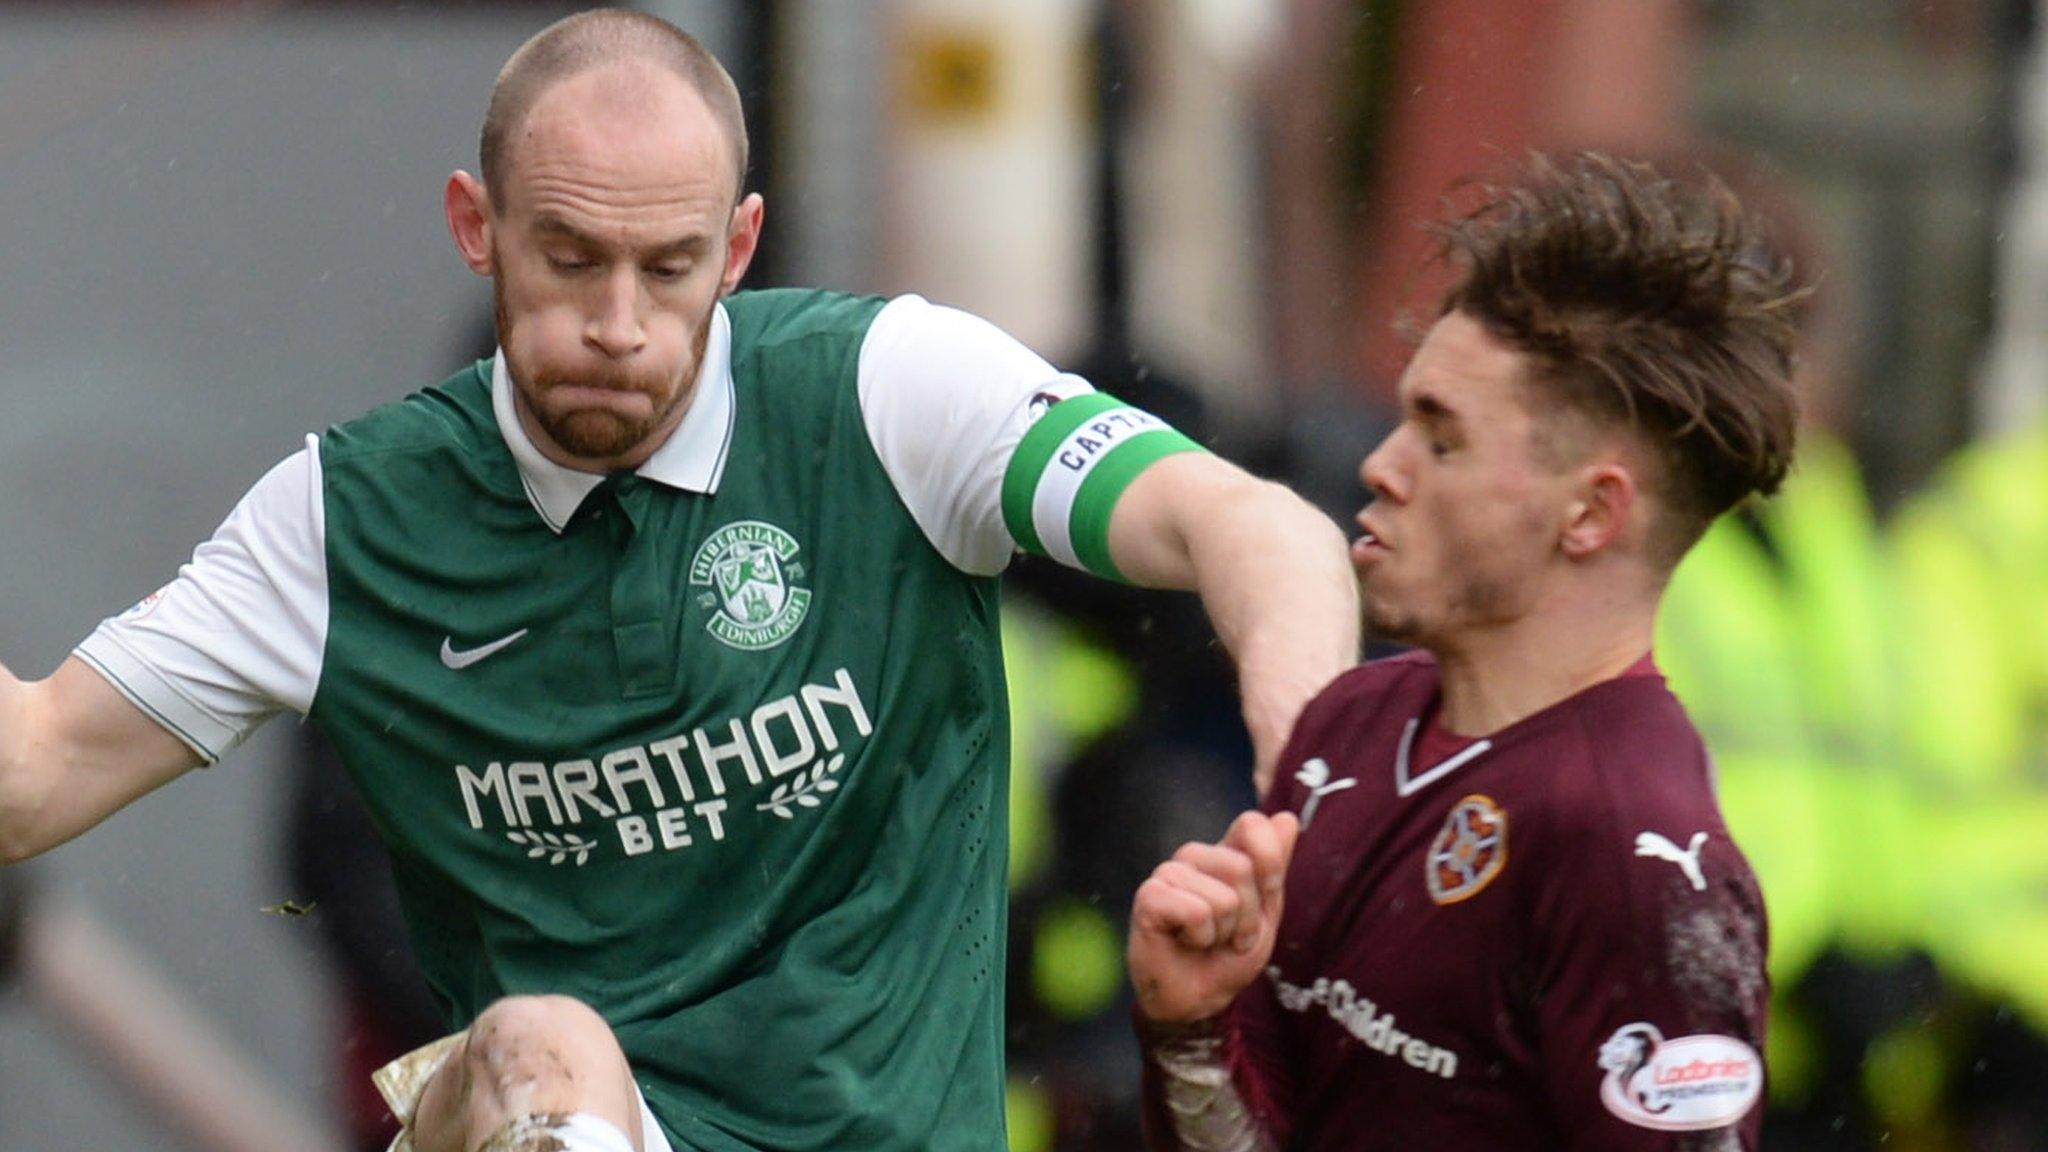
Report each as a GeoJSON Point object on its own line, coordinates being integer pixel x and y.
{"type": "Point", "coordinates": [1192, 1062]}
{"type": "Point", "coordinates": [1157, 1032]}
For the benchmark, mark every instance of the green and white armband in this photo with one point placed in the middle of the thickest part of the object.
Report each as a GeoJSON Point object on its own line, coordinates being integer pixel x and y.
{"type": "Point", "coordinates": [1069, 470]}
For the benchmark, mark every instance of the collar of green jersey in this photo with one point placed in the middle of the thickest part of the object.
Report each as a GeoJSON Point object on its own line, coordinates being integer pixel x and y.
{"type": "Point", "coordinates": [692, 459]}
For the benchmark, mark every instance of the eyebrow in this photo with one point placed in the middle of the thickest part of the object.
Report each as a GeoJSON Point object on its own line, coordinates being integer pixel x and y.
{"type": "Point", "coordinates": [550, 224]}
{"type": "Point", "coordinates": [1432, 410]}
{"type": "Point", "coordinates": [556, 226]}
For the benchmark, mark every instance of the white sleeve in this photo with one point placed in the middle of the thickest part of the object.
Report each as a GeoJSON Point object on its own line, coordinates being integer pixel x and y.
{"type": "Point", "coordinates": [239, 635]}
{"type": "Point", "coordinates": [946, 397]}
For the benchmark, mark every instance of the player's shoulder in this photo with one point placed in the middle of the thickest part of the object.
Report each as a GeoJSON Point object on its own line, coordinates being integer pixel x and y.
{"type": "Point", "coordinates": [1633, 725]}
{"type": "Point", "coordinates": [1393, 685]}
{"type": "Point", "coordinates": [796, 352]}
{"type": "Point", "coordinates": [1628, 834]}
{"type": "Point", "coordinates": [1413, 672]}
{"type": "Point", "coordinates": [456, 413]}
{"type": "Point", "coordinates": [764, 318]}
{"type": "Point", "coordinates": [1624, 757]}
{"type": "Point", "coordinates": [1414, 666]}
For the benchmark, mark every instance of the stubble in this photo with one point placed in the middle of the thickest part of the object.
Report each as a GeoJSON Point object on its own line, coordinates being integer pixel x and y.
{"type": "Point", "coordinates": [598, 434]}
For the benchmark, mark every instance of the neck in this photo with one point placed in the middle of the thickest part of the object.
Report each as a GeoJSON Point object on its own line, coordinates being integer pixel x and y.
{"type": "Point", "coordinates": [1497, 675]}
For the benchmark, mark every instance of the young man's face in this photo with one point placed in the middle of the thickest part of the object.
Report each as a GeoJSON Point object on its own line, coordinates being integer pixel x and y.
{"type": "Point", "coordinates": [611, 243]}
{"type": "Point", "coordinates": [1466, 515]}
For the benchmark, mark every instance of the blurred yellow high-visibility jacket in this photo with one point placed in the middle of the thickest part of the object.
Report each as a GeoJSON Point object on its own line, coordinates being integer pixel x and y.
{"type": "Point", "coordinates": [1776, 632]}
{"type": "Point", "coordinates": [1972, 553]}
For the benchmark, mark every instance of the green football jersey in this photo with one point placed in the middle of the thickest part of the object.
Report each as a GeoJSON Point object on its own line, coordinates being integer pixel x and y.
{"type": "Point", "coordinates": [740, 785]}
{"type": "Point", "coordinates": [718, 746]}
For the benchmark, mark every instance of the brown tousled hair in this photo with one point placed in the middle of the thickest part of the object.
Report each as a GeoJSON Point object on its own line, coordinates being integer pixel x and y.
{"type": "Point", "coordinates": [1646, 302]}
{"type": "Point", "coordinates": [588, 40]}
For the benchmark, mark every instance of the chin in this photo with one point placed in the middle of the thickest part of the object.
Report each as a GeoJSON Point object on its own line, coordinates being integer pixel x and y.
{"type": "Point", "coordinates": [1386, 623]}
{"type": "Point", "coordinates": [596, 435]}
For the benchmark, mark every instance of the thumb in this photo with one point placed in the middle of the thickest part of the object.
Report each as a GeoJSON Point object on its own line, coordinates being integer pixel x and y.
{"type": "Point", "coordinates": [1288, 825]}
{"type": "Point", "coordinates": [1286, 832]}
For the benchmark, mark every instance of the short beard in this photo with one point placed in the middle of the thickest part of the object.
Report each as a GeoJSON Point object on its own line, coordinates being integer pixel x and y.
{"type": "Point", "coordinates": [1387, 624]}
{"type": "Point", "coordinates": [597, 434]}
{"type": "Point", "coordinates": [1480, 601]}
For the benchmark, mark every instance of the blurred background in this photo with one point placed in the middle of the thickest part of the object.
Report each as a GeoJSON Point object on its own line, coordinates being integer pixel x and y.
{"type": "Point", "coordinates": [220, 227]}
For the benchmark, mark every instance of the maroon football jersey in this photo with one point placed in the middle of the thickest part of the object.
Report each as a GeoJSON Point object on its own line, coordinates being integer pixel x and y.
{"type": "Point", "coordinates": [1544, 939]}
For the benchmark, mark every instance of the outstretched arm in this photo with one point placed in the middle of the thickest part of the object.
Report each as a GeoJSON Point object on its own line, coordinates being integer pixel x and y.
{"type": "Point", "coordinates": [993, 451]}
{"type": "Point", "coordinates": [73, 751]}
{"type": "Point", "coordinates": [200, 663]}
{"type": "Point", "coordinates": [1271, 570]}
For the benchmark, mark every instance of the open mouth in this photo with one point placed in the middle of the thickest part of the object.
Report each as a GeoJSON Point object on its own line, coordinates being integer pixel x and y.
{"type": "Point", "coordinates": [1367, 550]}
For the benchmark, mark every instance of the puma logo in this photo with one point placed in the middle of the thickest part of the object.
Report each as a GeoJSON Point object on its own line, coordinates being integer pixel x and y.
{"type": "Point", "coordinates": [1315, 774]}
{"type": "Point", "coordinates": [1687, 858]}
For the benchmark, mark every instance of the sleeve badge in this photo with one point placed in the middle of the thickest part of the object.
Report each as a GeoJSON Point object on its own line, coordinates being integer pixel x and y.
{"type": "Point", "coordinates": [1684, 1084]}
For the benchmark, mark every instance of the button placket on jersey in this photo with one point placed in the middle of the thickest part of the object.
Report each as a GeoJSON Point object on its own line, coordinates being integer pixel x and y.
{"type": "Point", "coordinates": [639, 607]}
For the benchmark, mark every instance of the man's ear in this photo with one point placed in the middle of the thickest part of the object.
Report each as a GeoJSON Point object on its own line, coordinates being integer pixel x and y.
{"type": "Point", "coordinates": [742, 238]}
{"type": "Point", "coordinates": [469, 220]}
{"type": "Point", "coordinates": [1600, 514]}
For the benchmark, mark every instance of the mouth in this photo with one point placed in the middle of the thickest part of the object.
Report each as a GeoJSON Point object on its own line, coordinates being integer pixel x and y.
{"type": "Point", "coordinates": [583, 397]}
{"type": "Point", "coordinates": [1369, 546]}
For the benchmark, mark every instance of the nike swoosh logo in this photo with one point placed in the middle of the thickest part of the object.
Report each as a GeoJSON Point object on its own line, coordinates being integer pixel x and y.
{"type": "Point", "coordinates": [459, 660]}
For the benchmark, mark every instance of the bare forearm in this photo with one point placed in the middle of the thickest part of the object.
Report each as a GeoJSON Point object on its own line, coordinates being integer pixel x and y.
{"type": "Point", "coordinates": [1273, 573]}
{"type": "Point", "coordinates": [1274, 576]}
{"type": "Point", "coordinates": [17, 793]}
{"type": "Point", "coordinates": [11, 690]}
{"type": "Point", "coordinates": [74, 751]}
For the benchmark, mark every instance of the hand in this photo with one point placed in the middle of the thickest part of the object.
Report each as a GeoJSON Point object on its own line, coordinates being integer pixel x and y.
{"type": "Point", "coordinates": [1203, 925]}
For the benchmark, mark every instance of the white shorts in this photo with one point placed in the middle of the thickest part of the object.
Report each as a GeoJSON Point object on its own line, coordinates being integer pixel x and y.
{"type": "Point", "coordinates": [404, 1079]}
{"type": "Point", "coordinates": [651, 1135]}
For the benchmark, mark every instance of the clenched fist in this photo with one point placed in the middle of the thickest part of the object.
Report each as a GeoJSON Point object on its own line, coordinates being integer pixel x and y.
{"type": "Point", "coordinates": [1203, 925]}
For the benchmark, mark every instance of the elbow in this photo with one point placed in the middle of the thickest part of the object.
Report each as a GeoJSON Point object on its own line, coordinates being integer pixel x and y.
{"type": "Point", "coordinates": [1288, 515]}
{"type": "Point", "coordinates": [16, 844]}
{"type": "Point", "coordinates": [25, 779]}
{"type": "Point", "coordinates": [15, 848]}
{"type": "Point", "coordinates": [1257, 520]}
{"type": "Point", "coordinates": [20, 808]}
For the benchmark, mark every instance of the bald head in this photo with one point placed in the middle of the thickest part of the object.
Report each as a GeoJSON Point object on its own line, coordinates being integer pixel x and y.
{"type": "Point", "coordinates": [595, 39]}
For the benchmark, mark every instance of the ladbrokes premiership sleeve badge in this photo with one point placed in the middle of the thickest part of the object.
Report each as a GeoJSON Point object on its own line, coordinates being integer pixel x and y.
{"type": "Point", "coordinates": [1684, 1084]}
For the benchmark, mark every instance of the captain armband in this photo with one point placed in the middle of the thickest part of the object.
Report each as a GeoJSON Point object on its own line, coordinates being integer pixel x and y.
{"type": "Point", "coordinates": [1208, 1114]}
{"type": "Point", "coordinates": [1069, 469]}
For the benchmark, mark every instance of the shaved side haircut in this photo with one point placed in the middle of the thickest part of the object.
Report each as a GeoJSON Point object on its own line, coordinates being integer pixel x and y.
{"type": "Point", "coordinates": [593, 39]}
{"type": "Point", "coordinates": [1644, 302]}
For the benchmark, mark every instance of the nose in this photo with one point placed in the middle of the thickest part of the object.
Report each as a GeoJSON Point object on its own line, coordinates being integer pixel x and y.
{"type": "Point", "coordinates": [1379, 472]}
{"type": "Point", "coordinates": [614, 327]}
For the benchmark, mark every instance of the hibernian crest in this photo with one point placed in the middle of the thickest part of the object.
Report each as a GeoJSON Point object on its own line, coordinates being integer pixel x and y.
{"type": "Point", "coordinates": [749, 567]}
